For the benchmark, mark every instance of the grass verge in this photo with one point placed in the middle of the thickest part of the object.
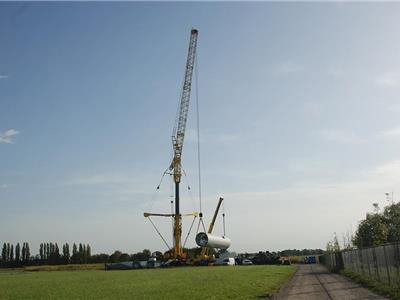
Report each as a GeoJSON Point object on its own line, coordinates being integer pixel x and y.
{"type": "Point", "coordinates": [238, 282]}
{"type": "Point", "coordinates": [72, 267]}
{"type": "Point", "coordinates": [378, 287]}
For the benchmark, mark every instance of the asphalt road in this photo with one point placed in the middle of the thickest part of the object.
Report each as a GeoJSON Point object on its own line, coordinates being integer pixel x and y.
{"type": "Point", "coordinates": [314, 282]}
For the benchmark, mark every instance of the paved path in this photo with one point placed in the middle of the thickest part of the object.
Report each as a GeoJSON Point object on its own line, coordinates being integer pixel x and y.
{"type": "Point", "coordinates": [314, 282]}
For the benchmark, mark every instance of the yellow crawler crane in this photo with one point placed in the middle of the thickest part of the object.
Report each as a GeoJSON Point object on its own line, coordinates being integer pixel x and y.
{"type": "Point", "coordinates": [177, 143]}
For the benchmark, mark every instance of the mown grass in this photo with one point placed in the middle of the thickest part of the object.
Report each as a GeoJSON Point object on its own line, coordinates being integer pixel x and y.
{"type": "Point", "coordinates": [72, 267]}
{"type": "Point", "coordinates": [378, 287]}
{"type": "Point", "coordinates": [239, 282]}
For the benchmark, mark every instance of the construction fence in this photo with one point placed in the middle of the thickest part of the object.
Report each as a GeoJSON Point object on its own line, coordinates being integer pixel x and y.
{"type": "Point", "coordinates": [381, 263]}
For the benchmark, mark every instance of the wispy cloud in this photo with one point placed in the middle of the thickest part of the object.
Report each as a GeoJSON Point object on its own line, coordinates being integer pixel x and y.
{"type": "Point", "coordinates": [3, 186]}
{"type": "Point", "coordinates": [390, 133]}
{"type": "Point", "coordinates": [288, 67]}
{"type": "Point", "coordinates": [388, 80]}
{"type": "Point", "coordinates": [340, 136]}
{"type": "Point", "coordinates": [313, 109]}
{"type": "Point", "coordinates": [335, 205]}
{"type": "Point", "coordinates": [191, 136]}
{"type": "Point", "coordinates": [100, 180]}
{"type": "Point", "coordinates": [220, 138]}
{"type": "Point", "coordinates": [3, 76]}
{"type": "Point", "coordinates": [8, 136]}
{"type": "Point", "coordinates": [227, 138]}
{"type": "Point", "coordinates": [394, 108]}
{"type": "Point", "coordinates": [335, 72]}
{"type": "Point", "coordinates": [120, 185]}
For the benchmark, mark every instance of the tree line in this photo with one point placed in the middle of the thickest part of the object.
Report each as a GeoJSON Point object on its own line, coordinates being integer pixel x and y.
{"type": "Point", "coordinates": [298, 252]}
{"type": "Point", "coordinates": [51, 254]}
{"type": "Point", "coordinates": [8, 257]}
{"type": "Point", "coordinates": [379, 227]}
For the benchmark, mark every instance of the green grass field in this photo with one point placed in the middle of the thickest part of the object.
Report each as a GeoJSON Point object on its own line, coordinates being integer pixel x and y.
{"type": "Point", "coordinates": [238, 282]}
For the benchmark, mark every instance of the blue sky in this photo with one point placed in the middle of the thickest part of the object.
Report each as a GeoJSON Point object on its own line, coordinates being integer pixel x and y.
{"type": "Point", "coordinates": [299, 109]}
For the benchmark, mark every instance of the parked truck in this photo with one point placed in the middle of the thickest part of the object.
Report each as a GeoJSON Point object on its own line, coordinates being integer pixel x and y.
{"type": "Point", "coordinates": [136, 264]}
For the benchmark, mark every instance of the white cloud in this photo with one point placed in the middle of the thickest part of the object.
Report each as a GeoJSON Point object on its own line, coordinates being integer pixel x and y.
{"type": "Point", "coordinates": [3, 76]}
{"type": "Point", "coordinates": [313, 109]}
{"type": "Point", "coordinates": [340, 136]}
{"type": "Point", "coordinates": [288, 67]}
{"type": "Point", "coordinates": [100, 180]}
{"type": "Point", "coordinates": [7, 137]}
{"type": "Point", "coordinates": [191, 136]}
{"type": "Point", "coordinates": [332, 207]}
{"type": "Point", "coordinates": [394, 108]}
{"type": "Point", "coordinates": [389, 80]}
{"type": "Point", "coordinates": [3, 186]}
{"type": "Point", "coordinates": [390, 133]}
{"type": "Point", "coordinates": [335, 72]}
{"type": "Point", "coordinates": [227, 138]}
{"type": "Point", "coordinates": [114, 183]}
{"type": "Point", "coordinates": [220, 138]}
{"type": "Point", "coordinates": [275, 219]}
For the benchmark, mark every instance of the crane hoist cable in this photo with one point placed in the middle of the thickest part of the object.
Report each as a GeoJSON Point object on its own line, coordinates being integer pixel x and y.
{"type": "Point", "coordinates": [196, 77]}
{"type": "Point", "coordinates": [223, 217]}
{"type": "Point", "coordinates": [190, 229]}
{"type": "Point", "coordinates": [154, 195]}
{"type": "Point", "coordinates": [201, 222]}
{"type": "Point", "coordinates": [162, 177]}
{"type": "Point", "coordinates": [189, 190]}
{"type": "Point", "coordinates": [159, 233]}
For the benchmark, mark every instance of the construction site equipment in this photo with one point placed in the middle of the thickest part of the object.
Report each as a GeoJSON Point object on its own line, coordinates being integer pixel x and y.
{"type": "Point", "coordinates": [211, 241]}
{"type": "Point", "coordinates": [225, 261]}
{"type": "Point", "coordinates": [207, 241]}
{"type": "Point", "coordinates": [178, 136]}
{"type": "Point", "coordinates": [150, 263]}
{"type": "Point", "coordinates": [137, 264]}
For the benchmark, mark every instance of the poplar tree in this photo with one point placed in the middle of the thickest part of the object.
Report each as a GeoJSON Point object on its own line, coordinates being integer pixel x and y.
{"type": "Point", "coordinates": [80, 253]}
{"type": "Point", "coordinates": [57, 253]}
{"type": "Point", "coordinates": [27, 252]}
{"type": "Point", "coordinates": [8, 251]}
{"type": "Point", "coordinates": [74, 253]}
{"type": "Point", "coordinates": [47, 251]}
{"type": "Point", "coordinates": [88, 252]}
{"type": "Point", "coordinates": [23, 251]}
{"type": "Point", "coordinates": [4, 252]}
{"type": "Point", "coordinates": [84, 257]}
{"type": "Point", "coordinates": [67, 253]}
{"type": "Point", "coordinates": [12, 252]}
{"type": "Point", "coordinates": [41, 251]}
{"type": "Point", "coordinates": [17, 253]}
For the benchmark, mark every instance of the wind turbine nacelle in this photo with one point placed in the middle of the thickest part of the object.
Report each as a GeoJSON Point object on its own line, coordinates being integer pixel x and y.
{"type": "Point", "coordinates": [211, 241]}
